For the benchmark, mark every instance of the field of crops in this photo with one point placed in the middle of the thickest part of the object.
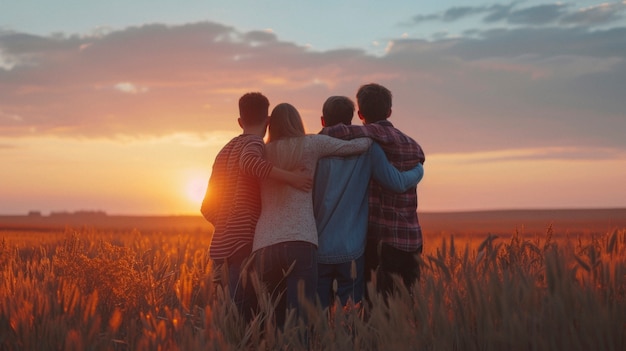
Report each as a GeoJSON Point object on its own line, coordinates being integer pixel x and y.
{"type": "Point", "coordinates": [131, 290]}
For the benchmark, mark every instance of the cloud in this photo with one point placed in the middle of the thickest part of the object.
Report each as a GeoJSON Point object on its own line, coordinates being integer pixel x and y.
{"type": "Point", "coordinates": [456, 13]}
{"type": "Point", "coordinates": [537, 15]}
{"type": "Point", "coordinates": [544, 42]}
{"type": "Point", "coordinates": [596, 15]}
{"type": "Point", "coordinates": [129, 88]}
{"type": "Point", "coordinates": [420, 18]}
{"type": "Point", "coordinates": [497, 13]}
{"type": "Point", "coordinates": [523, 86]}
{"type": "Point", "coordinates": [460, 12]}
{"type": "Point", "coordinates": [533, 15]}
{"type": "Point", "coordinates": [6, 62]}
{"type": "Point", "coordinates": [9, 116]}
{"type": "Point", "coordinates": [498, 88]}
{"type": "Point", "coordinates": [63, 84]}
{"type": "Point", "coordinates": [260, 37]}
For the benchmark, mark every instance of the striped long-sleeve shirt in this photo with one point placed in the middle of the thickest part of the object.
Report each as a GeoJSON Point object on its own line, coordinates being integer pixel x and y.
{"type": "Point", "coordinates": [392, 216]}
{"type": "Point", "coordinates": [233, 202]}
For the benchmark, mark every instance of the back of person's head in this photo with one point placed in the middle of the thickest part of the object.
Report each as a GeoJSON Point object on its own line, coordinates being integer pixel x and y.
{"type": "Point", "coordinates": [374, 102]}
{"type": "Point", "coordinates": [253, 108]}
{"type": "Point", "coordinates": [285, 122]}
{"type": "Point", "coordinates": [338, 109]}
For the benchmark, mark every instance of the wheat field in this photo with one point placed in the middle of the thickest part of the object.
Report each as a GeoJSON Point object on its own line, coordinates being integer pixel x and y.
{"type": "Point", "coordinates": [92, 289]}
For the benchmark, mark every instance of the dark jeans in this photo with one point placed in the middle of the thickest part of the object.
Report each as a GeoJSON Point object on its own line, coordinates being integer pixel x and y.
{"type": "Point", "coordinates": [242, 293]}
{"type": "Point", "coordinates": [387, 261]}
{"type": "Point", "coordinates": [350, 282]}
{"type": "Point", "coordinates": [282, 267]}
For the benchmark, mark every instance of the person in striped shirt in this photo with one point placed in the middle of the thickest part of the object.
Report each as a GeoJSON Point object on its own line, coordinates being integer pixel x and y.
{"type": "Point", "coordinates": [394, 238]}
{"type": "Point", "coordinates": [232, 203]}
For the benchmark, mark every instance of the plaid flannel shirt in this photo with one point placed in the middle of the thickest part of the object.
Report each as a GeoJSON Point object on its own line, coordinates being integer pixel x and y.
{"type": "Point", "coordinates": [392, 216]}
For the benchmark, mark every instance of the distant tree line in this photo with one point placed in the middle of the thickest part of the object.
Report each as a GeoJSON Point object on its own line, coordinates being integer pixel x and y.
{"type": "Point", "coordinates": [70, 214]}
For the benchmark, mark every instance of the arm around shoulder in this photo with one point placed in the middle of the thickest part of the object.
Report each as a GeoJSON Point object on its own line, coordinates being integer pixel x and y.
{"type": "Point", "coordinates": [329, 146]}
{"type": "Point", "coordinates": [299, 179]}
{"type": "Point", "coordinates": [389, 176]}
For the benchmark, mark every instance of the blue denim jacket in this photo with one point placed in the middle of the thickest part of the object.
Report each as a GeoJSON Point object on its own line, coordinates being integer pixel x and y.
{"type": "Point", "coordinates": [340, 200]}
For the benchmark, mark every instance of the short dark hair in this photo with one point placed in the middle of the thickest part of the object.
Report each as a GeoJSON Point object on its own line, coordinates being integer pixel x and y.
{"type": "Point", "coordinates": [338, 109]}
{"type": "Point", "coordinates": [374, 102]}
{"type": "Point", "coordinates": [253, 108]}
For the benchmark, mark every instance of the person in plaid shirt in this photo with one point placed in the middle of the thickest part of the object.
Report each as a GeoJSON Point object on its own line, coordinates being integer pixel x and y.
{"type": "Point", "coordinates": [394, 233]}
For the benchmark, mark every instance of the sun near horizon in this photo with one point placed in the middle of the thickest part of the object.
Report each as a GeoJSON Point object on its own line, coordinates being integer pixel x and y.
{"type": "Point", "coordinates": [195, 189]}
{"type": "Point", "coordinates": [169, 176]}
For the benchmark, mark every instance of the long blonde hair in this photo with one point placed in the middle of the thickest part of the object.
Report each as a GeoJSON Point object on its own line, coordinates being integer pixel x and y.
{"type": "Point", "coordinates": [285, 137]}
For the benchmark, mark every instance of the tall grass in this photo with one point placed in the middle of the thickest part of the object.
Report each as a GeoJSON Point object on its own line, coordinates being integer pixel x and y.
{"type": "Point", "coordinates": [133, 291]}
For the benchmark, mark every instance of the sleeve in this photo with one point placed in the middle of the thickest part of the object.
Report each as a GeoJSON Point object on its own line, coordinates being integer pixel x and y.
{"type": "Point", "coordinates": [379, 133]}
{"type": "Point", "coordinates": [329, 146]}
{"type": "Point", "coordinates": [388, 176]}
{"type": "Point", "coordinates": [345, 132]}
{"type": "Point", "coordinates": [252, 162]}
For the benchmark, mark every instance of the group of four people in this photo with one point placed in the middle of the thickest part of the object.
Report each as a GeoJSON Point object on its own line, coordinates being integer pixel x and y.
{"type": "Point", "coordinates": [308, 209]}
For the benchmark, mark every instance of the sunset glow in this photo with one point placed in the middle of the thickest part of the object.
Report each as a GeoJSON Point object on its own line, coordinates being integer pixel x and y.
{"type": "Point", "coordinates": [195, 189]}
{"type": "Point", "coordinates": [516, 106]}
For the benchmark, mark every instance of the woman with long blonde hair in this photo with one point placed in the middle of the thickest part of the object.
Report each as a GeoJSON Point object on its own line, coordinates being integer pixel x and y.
{"type": "Point", "coordinates": [285, 240]}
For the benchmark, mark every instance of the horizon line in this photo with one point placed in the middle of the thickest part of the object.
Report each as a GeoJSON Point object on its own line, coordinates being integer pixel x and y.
{"type": "Point", "coordinates": [35, 213]}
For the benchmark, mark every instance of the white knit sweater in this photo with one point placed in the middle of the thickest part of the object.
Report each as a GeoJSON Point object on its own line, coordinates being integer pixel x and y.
{"type": "Point", "coordinates": [286, 212]}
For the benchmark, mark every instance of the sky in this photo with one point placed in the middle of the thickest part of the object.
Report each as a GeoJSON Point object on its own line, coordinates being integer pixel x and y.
{"type": "Point", "coordinates": [122, 106]}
